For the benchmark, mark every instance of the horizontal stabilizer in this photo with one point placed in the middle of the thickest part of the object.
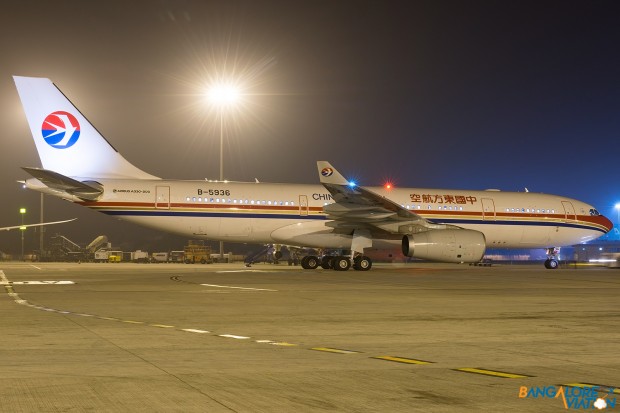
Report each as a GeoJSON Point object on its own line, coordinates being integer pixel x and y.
{"type": "Point", "coordinates": [88, 191]}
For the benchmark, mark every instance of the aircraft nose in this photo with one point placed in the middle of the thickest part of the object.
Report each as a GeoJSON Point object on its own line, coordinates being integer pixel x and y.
{"type": "Point", "coordinates": [606, 223]}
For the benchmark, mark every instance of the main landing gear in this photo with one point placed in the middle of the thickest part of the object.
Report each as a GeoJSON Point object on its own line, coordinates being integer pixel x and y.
{"type": "Point", "coordinates": [552, 262]}
{"type": "Point", "coordinates": [337, 262]}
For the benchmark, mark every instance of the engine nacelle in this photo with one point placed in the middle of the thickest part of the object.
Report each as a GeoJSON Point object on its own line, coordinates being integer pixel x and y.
{"type": "Point", "coordinates": [446, 245]}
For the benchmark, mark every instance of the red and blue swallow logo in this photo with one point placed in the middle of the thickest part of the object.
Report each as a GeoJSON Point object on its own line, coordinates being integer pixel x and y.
{"type": "Point", "coordinates": [327, 172]}
{"type": "Point", "coordinates": [60, 129]}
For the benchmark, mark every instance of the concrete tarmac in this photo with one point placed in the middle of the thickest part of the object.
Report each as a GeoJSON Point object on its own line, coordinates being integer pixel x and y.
{"type": "Point", "coordinates": [274, 338]}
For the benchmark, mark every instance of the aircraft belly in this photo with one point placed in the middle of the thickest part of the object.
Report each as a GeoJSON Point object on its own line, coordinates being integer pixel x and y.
{"type": "Point", "coordinates": [311, 234]}
{"type": "Point", "coordinates": [532, 236]}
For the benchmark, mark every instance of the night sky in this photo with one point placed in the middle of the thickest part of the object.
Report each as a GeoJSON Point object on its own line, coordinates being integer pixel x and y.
{"type": "Point", "coordinates": [447, 94]}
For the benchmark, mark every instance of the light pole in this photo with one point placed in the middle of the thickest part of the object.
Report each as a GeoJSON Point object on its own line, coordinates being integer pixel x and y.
{"type": "Point", "coordinates": [223, 95]}
{"type": "Point", "coordinates": [22, 212]}
{"type": "Point", "coordinates": [41, 230]}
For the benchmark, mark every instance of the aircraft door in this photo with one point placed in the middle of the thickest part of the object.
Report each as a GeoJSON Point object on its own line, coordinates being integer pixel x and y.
{"type": "Point", "coordinates": [162, 197]}
{"type": "Point", "coordinates": [303, 205]}
{"type": "Point", "coordinates": [488, 209]}
{"type": "Point", "coordinates": [569, 211]}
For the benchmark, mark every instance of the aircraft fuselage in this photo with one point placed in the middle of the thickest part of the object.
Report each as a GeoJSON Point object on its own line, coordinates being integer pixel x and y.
{"type": "Point", "coordinates": [257, 212]}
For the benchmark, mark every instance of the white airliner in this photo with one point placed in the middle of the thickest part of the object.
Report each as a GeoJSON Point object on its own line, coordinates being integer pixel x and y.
{"type": "Point", "coordinates": [449, 225]}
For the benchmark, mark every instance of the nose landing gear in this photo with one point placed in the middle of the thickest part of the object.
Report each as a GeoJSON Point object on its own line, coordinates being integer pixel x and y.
{"type": "Point", "coordinates": [552, 262]}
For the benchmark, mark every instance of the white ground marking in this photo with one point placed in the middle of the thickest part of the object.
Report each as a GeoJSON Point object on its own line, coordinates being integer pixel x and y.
{"type": "Point", "coordinates": [233, 336]}
{"type": "Point", "coordinates": [8, 285]}
{"type": "Point", "coordinates": [38, 268]}
{"type": "Point", "coordinates": [193, 330]}
{"type": "Point", "coordinates": [237, 288]}
{"type": "Point", "coordinates": [51, 282]}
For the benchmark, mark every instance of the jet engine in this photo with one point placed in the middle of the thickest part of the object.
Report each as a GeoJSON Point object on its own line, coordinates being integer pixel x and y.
{"type": "Point", "coordinates": [446, 245]}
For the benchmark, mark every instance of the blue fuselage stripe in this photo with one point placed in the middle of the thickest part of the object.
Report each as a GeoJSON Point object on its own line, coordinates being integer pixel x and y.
{"type": "Point", "coordinates": [167, 213]}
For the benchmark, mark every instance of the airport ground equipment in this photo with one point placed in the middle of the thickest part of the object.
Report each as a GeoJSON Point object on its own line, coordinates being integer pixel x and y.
{"type": "Point", "coordinates": [115, 256]}
{"type": "Point", "coordinates": [100, 242]}
{"type": "Point", "coordinates": [196, 251]}
{"type": "Point", "coordinates": [138, 256]}
{"type": "Point", "coordinates": [157, 257]}
{"type": "Point", "coordinates": [176, 256]}
{"type": "Point", "coordinates": [61, 246]}
{"type": "Point", "coordinates": [101, 255]}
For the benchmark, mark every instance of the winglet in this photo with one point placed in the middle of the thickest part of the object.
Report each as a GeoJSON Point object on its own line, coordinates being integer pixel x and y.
{"type": "Point", "coordinates": [329, 175]}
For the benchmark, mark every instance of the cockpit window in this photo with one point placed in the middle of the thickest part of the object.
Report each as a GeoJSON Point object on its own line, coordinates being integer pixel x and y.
{"type": "Point", "coordinates": [594, 212]}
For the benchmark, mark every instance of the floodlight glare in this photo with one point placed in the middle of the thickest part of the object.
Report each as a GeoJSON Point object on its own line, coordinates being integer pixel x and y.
{"type": "Point", "coordinates": [224, 94]}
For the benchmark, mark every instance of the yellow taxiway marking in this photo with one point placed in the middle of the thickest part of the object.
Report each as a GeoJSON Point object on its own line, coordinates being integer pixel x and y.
{"type": "Point", "coordinates": [492, 373]}
{"type": "Point", "coordinates": [161, 325]}
{"type": "Point", "coordinates": [600, 386]}
{"type": "Point", "coordinates": [132, 322]}
{"type": "Point", "coordinates": [402, 360]}
{"type": "Point", "coordinates": [334, 350]}
{"type": "Point", "coordinates": [283, 344]}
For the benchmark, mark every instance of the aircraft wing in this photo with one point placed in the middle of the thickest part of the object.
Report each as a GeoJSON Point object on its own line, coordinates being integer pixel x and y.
{"type": "Point", "coordinates": [359, 208]}
{"type": "Point", "coordinates": [89, 191]}
{"type": "Point", "coordinates": [35, 225]}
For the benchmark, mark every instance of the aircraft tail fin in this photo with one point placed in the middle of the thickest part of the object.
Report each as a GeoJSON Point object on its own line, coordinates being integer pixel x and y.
{"type": "Point", "coordinates": [66, 141]}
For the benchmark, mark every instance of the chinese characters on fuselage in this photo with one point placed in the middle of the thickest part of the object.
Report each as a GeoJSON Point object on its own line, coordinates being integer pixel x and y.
{"type": "Point", "coordinates": [443, 199]}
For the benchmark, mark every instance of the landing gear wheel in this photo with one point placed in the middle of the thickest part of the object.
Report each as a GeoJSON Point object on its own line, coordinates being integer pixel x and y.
{"type": "Point", "coordinates": [277, 255]}
{"type": "Point", "coordinates": [341, 263]}
{"type": "Point", "coordinates": [309, 262]}
{"type": "Point", "coordinates": [551, 264]}
{"type": "Point", "coordinates": [362, 263]}
{"type": "Point", "coordinates": [327, 262]}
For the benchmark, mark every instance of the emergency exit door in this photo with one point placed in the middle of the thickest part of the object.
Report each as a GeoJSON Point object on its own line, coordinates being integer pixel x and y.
{"type": "Point", "coordinates": [162, 197]}
{"type": "Point", "coordinates": [303, 205]}
{"type": "Point", "coordinates": [488, 209]}
{"type": "Point", "coordinates": [569, 211]}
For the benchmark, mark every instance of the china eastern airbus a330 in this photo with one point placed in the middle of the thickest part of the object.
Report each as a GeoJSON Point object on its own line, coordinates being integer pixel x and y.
{"type": "Point", "coordinates": [448, 225]}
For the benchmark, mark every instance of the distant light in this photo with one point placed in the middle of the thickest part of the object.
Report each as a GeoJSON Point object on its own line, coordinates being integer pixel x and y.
{"type": "Point", "coordinates": [22, 228]}
{"type": "Point", "coordinates": [22, 210]}
{"type": "Point", "coordinates": [617, 206]}
{"type": "Point", "coordinates": [352, 184]}
{"type": "Point", "coordinates": [223, 94]}
{"type": "Point", "coordinates": [388, 185]}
